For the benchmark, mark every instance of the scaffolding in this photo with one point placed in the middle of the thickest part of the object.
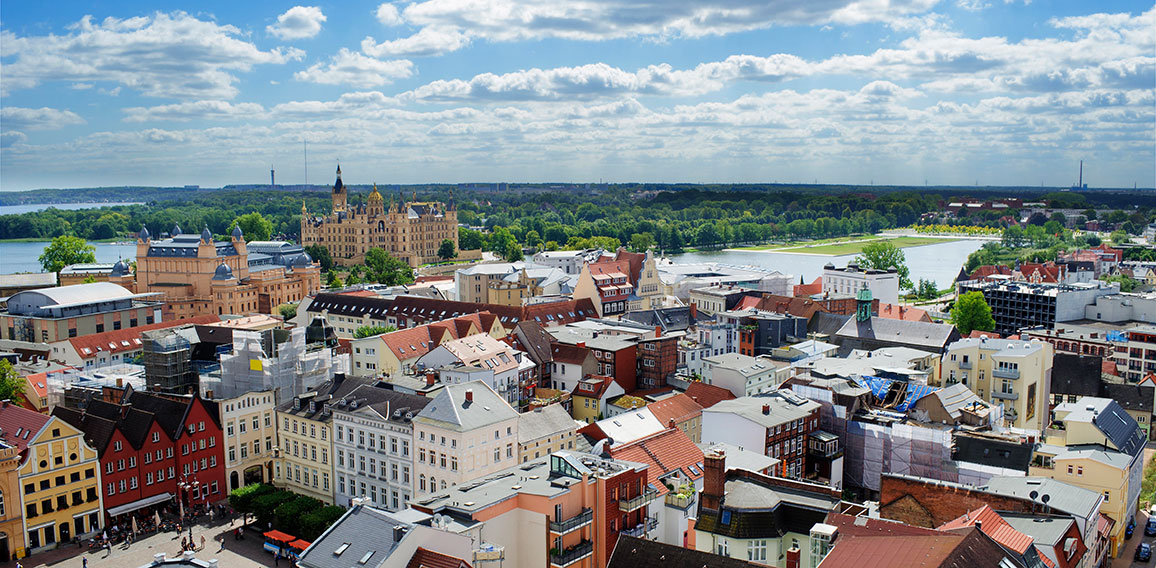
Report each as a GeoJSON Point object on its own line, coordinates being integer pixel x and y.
{"type": "Point", "coordinates": [167, 359]}
{"type": "Point", "coordinates": [277, 360]}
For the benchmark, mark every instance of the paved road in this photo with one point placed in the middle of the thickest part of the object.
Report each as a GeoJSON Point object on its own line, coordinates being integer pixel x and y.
{"type": "Point", "coordinates": [245, 553]}
{"type": "Point", "coordinates": [1125, 559]}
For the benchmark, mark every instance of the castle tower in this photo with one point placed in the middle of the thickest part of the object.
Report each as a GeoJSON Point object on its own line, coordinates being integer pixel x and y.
{"type": "Point", "coordinates": [375, 203]}
{"type": "Point", "coordinates": [339, 194]}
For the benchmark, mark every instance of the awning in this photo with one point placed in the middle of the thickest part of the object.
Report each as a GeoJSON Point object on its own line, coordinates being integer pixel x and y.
{"type": "Point", "coordinates": [140, 504]}
{"type": "Point", "coordinates": [280, 536]}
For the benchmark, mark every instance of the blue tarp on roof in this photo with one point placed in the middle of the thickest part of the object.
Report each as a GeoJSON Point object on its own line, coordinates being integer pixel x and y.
{"type": "Point", "coordinates": [880, 386]}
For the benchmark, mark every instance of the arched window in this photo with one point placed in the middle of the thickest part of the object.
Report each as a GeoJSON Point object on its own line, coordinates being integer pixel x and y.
{"type": "Point", "coordinates": [421, 481]}
{"type": "Point", "coordinates": [443, 485]}
{"type": "Point", "coordinates": [1, 503]}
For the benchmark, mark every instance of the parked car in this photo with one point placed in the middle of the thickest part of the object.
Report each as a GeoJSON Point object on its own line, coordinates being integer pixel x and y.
{"type": "Point", "coordinates": [1128, 530]}
{"type": "Point", "coordinates": [1150, 528]}
{"type": "Point", "coordinates": [1143, 552]}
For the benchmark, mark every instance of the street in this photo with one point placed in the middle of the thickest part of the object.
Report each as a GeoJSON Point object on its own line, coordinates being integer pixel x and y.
{"type": "Point", "coordinates": [247, 553]}
{"type": "Point", "coordinates": [1125, 558]}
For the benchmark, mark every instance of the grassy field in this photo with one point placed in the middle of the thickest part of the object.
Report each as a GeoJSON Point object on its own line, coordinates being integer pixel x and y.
{"type": "Point", "coordinates": [816, 242]}
{"type": "Point", "coordinates": [848, 245]}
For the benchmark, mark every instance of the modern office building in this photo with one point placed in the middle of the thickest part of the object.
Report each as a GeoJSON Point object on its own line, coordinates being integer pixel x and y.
{"type": "Point", "coordinates": [1017, 305]}
{"type": "Point", "coordinates": [48, 315]}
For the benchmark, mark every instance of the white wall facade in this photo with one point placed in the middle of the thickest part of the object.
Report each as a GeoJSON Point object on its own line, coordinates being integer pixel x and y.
{"type": "Point", "coordinates": [373, 458]}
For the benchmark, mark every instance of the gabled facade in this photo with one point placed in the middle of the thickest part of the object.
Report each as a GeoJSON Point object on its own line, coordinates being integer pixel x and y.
{"type": "Point", "coordinates": [466, 432]}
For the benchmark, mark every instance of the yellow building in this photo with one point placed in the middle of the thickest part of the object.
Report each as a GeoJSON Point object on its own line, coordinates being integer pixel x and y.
{"type": "Point", "coordinates": [412, 231]}
{"type": "Point", "coordinates": [59, 478]}
{"type": "Point", "coordinates": [504, 293]}
{"type": "Point", "coordinates": [11, 517]}
{"type": "Point", "coordinates": [1012, 373]}
{"type": "Point", "coordinates": [543, 431]}
{"type": "Point", "coordinates": [1095, 444]}
{"type": "Point", "coordinates": [591, 397]}
{"type": "Point", "coordinates": [249, 430]}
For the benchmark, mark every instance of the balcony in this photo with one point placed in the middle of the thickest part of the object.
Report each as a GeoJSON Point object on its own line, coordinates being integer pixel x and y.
{"type": "Point", "coordinates": [965, 364]}
{"type": "Point", "coordinates": [648, 524]}
{"type": "Point", "coordinates": [576, 522]}
{"type": "Point", "coordinates": [1004, 373]}
{"type": "Point", "coordinates": [1006, 395]}
{"type": "Point", "coordinates": [628, 505]}
{"type": "Point", "coordinates": [681, 501]}
{"type": "Point", "coordinates": [563, 558]}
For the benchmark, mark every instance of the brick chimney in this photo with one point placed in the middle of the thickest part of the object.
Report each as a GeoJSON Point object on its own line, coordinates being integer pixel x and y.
{"type": "Point", "coordinates": [693, 312]}
{"type": "Point", "coordinates": [470, 395]}
{"type": "Point", "coordinates": [793, 554]}
{"type": "Point", "coordinates": [430, 378]}
{"type": "Point", "coordinates": [766, 409]}
{"type": "Point", "coordinates": [714, 479]}
{"type": "Point", "coordinates": [658, 331]}
{"type": "Point", "coordinates": [582, 345]}
{"type": "Point", "coordinates": [670, 423]}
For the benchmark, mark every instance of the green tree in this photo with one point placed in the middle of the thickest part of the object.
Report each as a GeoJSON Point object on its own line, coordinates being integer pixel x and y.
{"type": "Point", "coordinates": [385, 269]}
{"type": "Point", "coordinates": [287, 516]}
{"type": "Point", "coordinates": [320, 254]}
{"type": "Point", "coordinates": [641, 242]}
{"type": "Point", "coordinates": [1093, 240]}
{"type": "Point", "coordinates": [371, 330]}
{"type": "Point", "coordinates": [241, 499]}
{"type": "Point", "coordinates": [882, 255]}
{"type": "Point", "coordinates": [533, 238]}
{"type": "Point", "coordinates": [254, 226]}
{"type": "Point", "coordinates": [927, 290]}
{"type": "Point", "coordinates": [447, 251]}
{"type": "Point", "coordinates": [332, 280]}
{"type": "Point", "coordinates": [1127, 284]}
{"type": "Point", "coordinates": [11, 385]}
{"type": "Point", "coordinates": [65, 250]}
{"type": "Point", "coordinates": [264, 505]}
{"type": "Point", "coordinates": [288, 311]}
{"type": "Point", "coordinates": [971, 312]}
{"type": "Point", "coordinates": [469, 239]}
{"type": "Point", "coordinates": [315, 522]}
{"type": "Point", "coordinates": [1118, 237]}
{"type": "Point", "coordinates": [513, 252]}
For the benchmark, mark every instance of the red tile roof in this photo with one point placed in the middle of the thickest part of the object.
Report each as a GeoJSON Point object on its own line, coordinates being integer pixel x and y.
{"type": "Point", "coordinates": [599, 389]}
{"type": "Point", "coordinates": [978, 333]}
{"type": "Point", "coordinates": [120, 340]}
{"type": "Point", "coordinates": [708, 395]}
{"type": "Point", "coordinates": [994, 526]}
{"type": "Point", "coordinates": [798, 307]}
{"type": "Point", "coordinates": [866, 526]}
{"type": "Point", "coordinates": [1048, 272]}
{"type": "Point", "coordinates": [986, 270]}
{"type": "Point", "coordinates": [679, 408]}
{"type": "Point", "coordinates": [666, 451]}
{"type": "Point", "coordinates": [425, 558]}
{"type": "Point", "coordinates": [900, 312]}
{"type": "Point", "coordinates": [815, 287]}
{"type": "Point", "coordinates": [19, 425]}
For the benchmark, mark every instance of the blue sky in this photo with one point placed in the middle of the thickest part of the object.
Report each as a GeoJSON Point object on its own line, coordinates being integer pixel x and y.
{"type": "Point", "coordinates": [995, 92]}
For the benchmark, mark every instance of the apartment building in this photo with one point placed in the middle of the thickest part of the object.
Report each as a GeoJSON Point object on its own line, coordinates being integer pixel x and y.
{"type": "Point", "coordinates": [59, 475]}
{"type": "Point", "coordinates": [566, 510]}
{"type": "Point", "coordinates": [389, 354]}
{"type": "Point", "coordinates": [373, 446]}
{"type": "Point", "coordinates": [744, 375]}
{"type": "Point", "coordinates": [250, 433]}
{"type": "Point", "coordinates": [304, 438]}
{"type": "Point", "coordinates": [849, 280]}
{"type": "Point", "coordinates": [543, 431]}
{"type": "Point", "coordinates": [1017, 305]}
{"type": "Point", "coordinates": [779, 424]}
{"type": "Point", "coordinates": [501, 364]}
{"type": "Point", "coordinates": [466, 432]}
{"type": "Point", "coordinates": [1012, 373]}
{"type": "Point", "coordinates": [1093, 443]}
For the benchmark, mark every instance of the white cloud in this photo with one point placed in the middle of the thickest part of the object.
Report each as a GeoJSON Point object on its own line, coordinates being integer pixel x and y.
{"type": "Point", "coordinates": [80, 86]}
{"type": "Point", "coordinates": [299, 22]}
{"type": "Point", "coordinates": [164, 55]}
{"type": "Point", "coordinates": [352, 68]}
{"type": "Point", "coordinates": [44, 118]}
{"type": "Point", "coordinates": [389, 15]}
{"type": "Point", "coordinates": [428, 41]}
{"type": "Point", "coordinates": [196, 110]}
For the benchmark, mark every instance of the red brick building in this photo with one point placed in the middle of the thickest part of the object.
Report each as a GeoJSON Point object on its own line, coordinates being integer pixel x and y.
{"type": "Point", "coordinates": [657, 359]}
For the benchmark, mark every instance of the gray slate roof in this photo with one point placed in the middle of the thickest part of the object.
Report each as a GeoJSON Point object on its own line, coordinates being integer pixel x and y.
{"type": "Point", "coordinates": [546, 421]}
{"type": "Point", "coordinates": [1070, 499]}
{"type": "Point", "coordinates": [364, 529]}
{"type": "Point", "coordinates": [934, 336]}
{"type": "Point", "coordinates": [450, 410]}
{"type": "Point", "coordinates": [1111, 419]}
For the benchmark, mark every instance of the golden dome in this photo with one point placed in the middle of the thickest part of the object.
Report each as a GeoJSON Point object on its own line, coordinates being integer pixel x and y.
{"type": "Point", "coordinates": [375, 197]}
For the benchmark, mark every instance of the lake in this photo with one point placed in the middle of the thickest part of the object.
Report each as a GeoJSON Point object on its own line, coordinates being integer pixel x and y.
{"type": "Point", "coordinates": [17, 209]}
{"type": "Point", "coordinates": [21, 257]}
{"type": "Point", "coordinates": [937, 262]}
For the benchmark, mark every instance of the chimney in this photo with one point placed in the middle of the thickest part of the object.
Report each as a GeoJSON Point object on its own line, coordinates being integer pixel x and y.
{"type": "Point", "coordinates": [766, 409]}
{"type": "Point", "coordinates": [793, 557]}
{"type": "Point", "coordinates": [582, 345]}
{"type": "Point", "coordinates": [430, 379]}
{"type": "Point", "coordinates": [693, 312]}
{"type": "Point", "coordinates": [209, 394]}
{"type": "Point", "coordinates": [670, 423]}
{"type": "Point", "coordinates": [470, 395]}
{"type": "Point", "coordinates": [5, 403]}
{"type": "Point", "coordinates": [119, 382]}
{"type": "Point", "coordinates": [714, 480]}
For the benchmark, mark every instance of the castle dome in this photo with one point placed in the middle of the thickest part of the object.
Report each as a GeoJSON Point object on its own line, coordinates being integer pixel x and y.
{"type": "Point", "coordinates": [206, 236]}
{"type": "Point", "coordinates": [303, 260]}
{"type": "Point", "coordinates": [121, 268]}
{"type": "Point", "coordinates": [144, 233]}
{"type": "Point", "coordinates": [223, 272]}
{"type": "Point", "coordinates": [375, 198]}
{"type": "Point", "coordinates": [237, 234]}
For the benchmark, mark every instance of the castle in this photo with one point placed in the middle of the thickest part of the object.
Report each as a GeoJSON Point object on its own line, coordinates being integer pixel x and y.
{"type": "Point", "coordinates": [411, 231]}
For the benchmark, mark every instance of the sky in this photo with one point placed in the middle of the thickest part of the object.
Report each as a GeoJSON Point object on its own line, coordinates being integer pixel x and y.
{"type": "Point", "coordinates": [911, 92]}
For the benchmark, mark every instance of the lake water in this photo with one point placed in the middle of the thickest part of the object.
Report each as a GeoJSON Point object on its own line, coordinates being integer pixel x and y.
{"type": "Point", "coordinates": [21, 257]}
{"type": "Point", "coordinates": [938, 262]}
{"type": "Point", "coordinates": [17, 209]}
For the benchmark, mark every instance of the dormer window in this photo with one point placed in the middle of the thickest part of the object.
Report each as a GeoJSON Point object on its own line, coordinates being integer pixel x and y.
{"type": "Point", "coordinates": [296, 403]}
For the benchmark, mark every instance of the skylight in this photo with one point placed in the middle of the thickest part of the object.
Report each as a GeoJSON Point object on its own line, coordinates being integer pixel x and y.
{"type": "Point", "coordinates": [344, 546]}
{"type": "Point", "coordinates": [365, 559]}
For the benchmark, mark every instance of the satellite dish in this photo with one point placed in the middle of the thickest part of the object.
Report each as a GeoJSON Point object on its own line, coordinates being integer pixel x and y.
{"type": "Point", "coordinates": [1034, 495]}
{"type": "Point", "coordinates": [1046, 498]}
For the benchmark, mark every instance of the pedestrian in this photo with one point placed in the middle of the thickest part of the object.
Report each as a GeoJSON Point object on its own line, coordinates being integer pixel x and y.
{"type": "Point", "coordinates": [84, 564]}
{"type": "Point", "coordinates": [277, 559]}
{"type": "Point", "coordinates": [222, 544]}
{"type": "Point", "coordinates": [202, 542]}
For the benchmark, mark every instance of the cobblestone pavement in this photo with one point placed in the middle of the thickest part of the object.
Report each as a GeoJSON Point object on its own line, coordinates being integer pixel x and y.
{"type": "Point", "coordinates": [247, 553]}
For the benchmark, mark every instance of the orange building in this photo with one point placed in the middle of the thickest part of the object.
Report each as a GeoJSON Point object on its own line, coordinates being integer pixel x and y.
{"type": "Point", "coordinates": [200, 275]}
